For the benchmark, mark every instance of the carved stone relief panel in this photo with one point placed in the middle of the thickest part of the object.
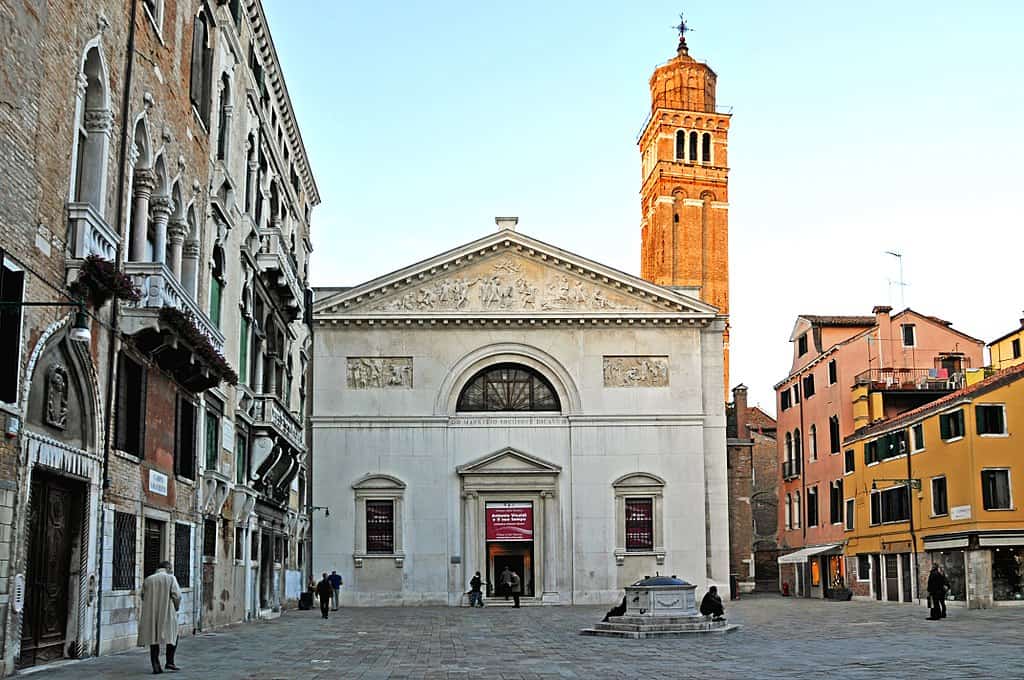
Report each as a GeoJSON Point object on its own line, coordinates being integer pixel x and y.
{"type": "Point", "coordinates": [508, 284]}
{"type": "Point", "coordinates": [643, 371]}
{"type": "Point", "coordinates": [379, 372]}
{"type": "Point", "coordinates": [56, 406]}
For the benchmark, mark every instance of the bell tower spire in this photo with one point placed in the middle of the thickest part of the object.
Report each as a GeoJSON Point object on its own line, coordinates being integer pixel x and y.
{"type": "Point", "coordinates": [684, 190]}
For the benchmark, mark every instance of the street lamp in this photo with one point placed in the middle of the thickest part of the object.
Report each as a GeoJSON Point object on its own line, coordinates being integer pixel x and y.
{"type": "Point", "coordinates": [912, 483]}
{"type": "Point", "coordinates": [314, 508]}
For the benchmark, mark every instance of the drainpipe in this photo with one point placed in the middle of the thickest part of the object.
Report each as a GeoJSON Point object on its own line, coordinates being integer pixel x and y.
{"type": "Point", "coordinates": [915, 589]}
{"type": "Point", "coordinates": [115, 336]}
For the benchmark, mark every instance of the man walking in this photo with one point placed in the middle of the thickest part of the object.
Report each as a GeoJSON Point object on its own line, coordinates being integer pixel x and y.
{"type": "Point", "coordinates": [158, 620]}
{"type": "Point", "coordinates": [505, 581]}
{"type": "Point", "coordinates": [336, 583]}
{"type": "Point", "coordinates": [937, 585]}
{"type": "Point", "coordinates": [517, 588]}
{"type": "Point", "coordinates": [324, 592]}
{"type": "Point", "coordinates": [476, 597]}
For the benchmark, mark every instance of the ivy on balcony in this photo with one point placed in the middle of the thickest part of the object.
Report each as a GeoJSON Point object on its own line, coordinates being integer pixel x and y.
{"type": "Point", "coordinates": [184, 324]}
{"type": "Point", "coordinates": [100, 280]}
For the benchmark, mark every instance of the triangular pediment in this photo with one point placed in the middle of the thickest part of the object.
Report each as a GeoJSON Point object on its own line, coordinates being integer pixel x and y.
{"type": "Point", "coordinates": [509, 461]}
{"type": "Point", "coordinates": [508, 274]}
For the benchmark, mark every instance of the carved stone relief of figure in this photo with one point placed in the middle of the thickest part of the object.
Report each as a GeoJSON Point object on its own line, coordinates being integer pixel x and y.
{"type": "Point", "coordinates": [379, 372]}
{"type": "Point", "coordinates": [636, 371]}
{"type": "Point", "coordinates": [56, 406]}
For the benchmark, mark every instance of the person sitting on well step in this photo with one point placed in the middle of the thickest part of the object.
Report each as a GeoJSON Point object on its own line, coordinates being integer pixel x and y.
{"type": "Point", "coordinates": [617, 610]}
{"type": "Point", "coordinates": [711, 605]}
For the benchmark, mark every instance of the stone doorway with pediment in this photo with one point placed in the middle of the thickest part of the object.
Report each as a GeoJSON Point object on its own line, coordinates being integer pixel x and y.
{"type": "Point", "coordinates": [511, 515]}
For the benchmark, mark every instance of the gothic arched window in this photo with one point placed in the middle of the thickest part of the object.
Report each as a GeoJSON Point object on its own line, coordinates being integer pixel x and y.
{"type": "Point", "coordinates": [692, 158]}
{"type": "Point", "coordinates": [202, 67]}
{"type": "Point", "coordinates": [705, 150]}
{"type": "Point", "coordinates": [508, 387]}
{"type": "Point", "coordinates": [680, 145]}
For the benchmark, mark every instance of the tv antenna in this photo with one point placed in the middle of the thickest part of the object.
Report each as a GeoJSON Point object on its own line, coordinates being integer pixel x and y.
{"type": "Point", "coordinates": [899, 282]}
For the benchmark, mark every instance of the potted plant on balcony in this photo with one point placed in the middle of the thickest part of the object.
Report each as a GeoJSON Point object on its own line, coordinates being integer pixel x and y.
{"type": "Point", "coordinates": [184, 323]}
{"type": "Point", "coordinates": [99, 280]}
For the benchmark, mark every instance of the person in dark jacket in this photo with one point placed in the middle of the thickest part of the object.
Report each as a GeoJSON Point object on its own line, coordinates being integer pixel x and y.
{"type": "Point", "coordinates": [476, 597]}
{"type": "Point", "coordinates": [711, 605]}
{"type": "Point", "coordinates": [324, 591]}
{"type": "Point", "coordinates": [937, 586]}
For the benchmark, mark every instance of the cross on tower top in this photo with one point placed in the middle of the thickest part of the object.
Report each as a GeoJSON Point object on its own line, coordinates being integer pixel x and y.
{"type": "Point", "coordinates": [683, 29]}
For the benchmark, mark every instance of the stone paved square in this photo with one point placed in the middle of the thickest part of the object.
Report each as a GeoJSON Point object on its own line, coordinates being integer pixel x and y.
{"type": "Point", "coordinates": [779, 638]}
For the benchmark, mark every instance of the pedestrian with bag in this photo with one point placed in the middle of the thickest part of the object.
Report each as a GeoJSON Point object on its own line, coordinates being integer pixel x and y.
{"type": "Point", "coordinates": [158, 620]}
{"type": "Point", "coordinates": [476, 596]}
{"type": "Point", "coordinates": [324, 591]}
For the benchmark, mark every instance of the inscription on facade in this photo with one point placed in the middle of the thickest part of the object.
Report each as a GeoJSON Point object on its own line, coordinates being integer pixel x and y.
{"type": "Point", "coordinates": [379, 373]}
{"type": "Point", "coordinates": [636, 371]}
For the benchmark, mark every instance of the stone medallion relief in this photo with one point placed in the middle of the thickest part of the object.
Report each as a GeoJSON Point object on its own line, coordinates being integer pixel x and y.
{"type": "Point", "coordinates": [366, 373]}
{"type": "Point", "coordinates": [636, 371]}
{"type": "Point", "coordinates": [510, 284]}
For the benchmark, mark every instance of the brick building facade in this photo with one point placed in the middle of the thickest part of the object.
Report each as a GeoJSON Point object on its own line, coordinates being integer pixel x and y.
{"type": "Point", "coordinates": [152, 142]}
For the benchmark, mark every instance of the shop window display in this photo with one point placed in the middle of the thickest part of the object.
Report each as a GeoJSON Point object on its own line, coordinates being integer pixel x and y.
{"type": "Point", "coordinates": [952, 564]}
{"type": "Point", "coordinates": [1008, 573]}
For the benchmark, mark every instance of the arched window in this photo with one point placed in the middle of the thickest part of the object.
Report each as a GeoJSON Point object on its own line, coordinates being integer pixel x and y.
{"type": "Point", "coordinates": [692, 158]}
{"type": "Point", "coordinates": [797, 446]}
{"type": "Point", "coordinates": [796, 510]}
{"type": "Point", "coordinates": [508, 387]}
{"type": "Point", "coordinates": [93, 133]}
{"type": "Point", "coordinates": [789, 511]}
{"type": "Point", "coordinates": [680, 145]}
{"type": "Point", "coordinates": [202, 67]}
{"type": "Point", "coordinates": [789, 447]}
{"type": "Point", "coordinates": [705, 151]}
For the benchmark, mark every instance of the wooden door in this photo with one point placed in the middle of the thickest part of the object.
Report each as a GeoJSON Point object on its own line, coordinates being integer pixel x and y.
{"type": "Point", "coordinates": [892, 579]}
{"type": "Point", "coordinates": [52, 513]}
{"type": "Point", "coordinates": [905, 563]}
{"type": "Point", "coordinates": [876, 577]}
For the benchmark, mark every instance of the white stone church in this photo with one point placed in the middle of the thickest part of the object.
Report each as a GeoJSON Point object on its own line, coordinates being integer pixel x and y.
{"type": "Point", "coordinates": [509, 403]}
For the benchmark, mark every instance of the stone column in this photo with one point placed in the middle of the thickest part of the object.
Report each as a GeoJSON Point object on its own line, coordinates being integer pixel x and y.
{"type": "Point", "coordinates": [190, 267]}
{"type": "Point", "coordinates": [269, 377]}
{"type": "Point", "coordinates": [99, 125]}
{"type": "Point", "coordinates": [177, 229]}
{"type": "Point", "coordinates": [551, 547]}
{"type": "Point", "coordinates": [142, 189]}
{"type": "Point", "coordinates": [250, 206]}
{"type": "Point", "coordinates": [470, 555]}
{"type": "Point", "coordinates": [162, 207]}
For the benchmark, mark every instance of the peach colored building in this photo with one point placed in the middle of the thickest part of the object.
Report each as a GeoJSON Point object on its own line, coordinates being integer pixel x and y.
{"type": "Point", "coordinates": [841, 366]}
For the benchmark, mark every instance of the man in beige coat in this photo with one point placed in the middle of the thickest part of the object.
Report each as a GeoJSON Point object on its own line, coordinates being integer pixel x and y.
{"type": "Point", "coordinates": [158, 621]}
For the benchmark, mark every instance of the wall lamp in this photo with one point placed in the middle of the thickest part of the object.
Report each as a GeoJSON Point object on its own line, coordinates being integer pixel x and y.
{"type": "Point", "coordinates": [912, 483]}
{"type": "Point", "coordinates": [80, 329]}
{"type": "Point", "coordinates": [327, 510]}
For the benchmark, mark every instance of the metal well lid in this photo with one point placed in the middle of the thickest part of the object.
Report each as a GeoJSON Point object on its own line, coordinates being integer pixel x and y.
{"type": "Point", "coordinates": [662, 581]}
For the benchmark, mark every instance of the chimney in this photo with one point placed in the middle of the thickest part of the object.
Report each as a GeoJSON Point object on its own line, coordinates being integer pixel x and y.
{"type": "Point", "coordinates": [883, 323]}
{"type": "Point", "coordinates": [506, 222]}
{"type": "Point", "coordinates": [739, 400]}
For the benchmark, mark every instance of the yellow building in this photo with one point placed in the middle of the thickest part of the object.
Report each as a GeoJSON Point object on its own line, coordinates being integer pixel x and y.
{"type": "Point", "coordinates": [965, 477]}
{"type": "Point", "coordinates": [1005, 351]}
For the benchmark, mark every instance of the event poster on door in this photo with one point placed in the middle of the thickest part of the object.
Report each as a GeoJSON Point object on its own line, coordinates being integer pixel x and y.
{"type": "Point", "coordinates": [510, 521]}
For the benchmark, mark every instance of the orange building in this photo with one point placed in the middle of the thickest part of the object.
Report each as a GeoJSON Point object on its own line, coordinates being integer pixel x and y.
{"type": "Point", "coordinates": [684, 185]}
{"type": "Point", "coordinates": [847, 373]}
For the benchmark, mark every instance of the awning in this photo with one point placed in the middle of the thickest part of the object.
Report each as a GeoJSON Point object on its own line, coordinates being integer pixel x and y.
{"type": "Point", "coordinates": [801, 555]}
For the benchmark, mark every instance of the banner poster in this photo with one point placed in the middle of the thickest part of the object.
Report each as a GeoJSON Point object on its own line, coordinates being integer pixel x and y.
{"type": "Point", "coordinates": [509, 521]}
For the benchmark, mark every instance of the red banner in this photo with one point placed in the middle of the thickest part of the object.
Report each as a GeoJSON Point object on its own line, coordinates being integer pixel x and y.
{"type": "Point", "coordinates": [510, 521]}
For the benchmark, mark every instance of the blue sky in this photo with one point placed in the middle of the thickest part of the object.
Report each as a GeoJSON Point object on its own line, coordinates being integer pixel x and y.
{"type": "Point", "coordinates": [857, 128]}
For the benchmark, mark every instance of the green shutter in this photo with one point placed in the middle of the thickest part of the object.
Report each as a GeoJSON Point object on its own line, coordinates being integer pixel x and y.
{"type": "Point", "coordinates": [215, 295]}
{"type": "Point", "coordinates": [944, 426]}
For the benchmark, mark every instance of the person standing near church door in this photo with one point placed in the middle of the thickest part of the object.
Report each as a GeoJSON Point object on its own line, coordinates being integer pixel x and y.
{"type": "Point", "coordinates": [505, 581]}
{"type": "Point", "coordinates": [516, 587]}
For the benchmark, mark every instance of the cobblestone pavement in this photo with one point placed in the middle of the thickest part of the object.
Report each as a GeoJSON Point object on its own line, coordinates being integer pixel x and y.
{"type": "Point", "coordinates": [779, 638]}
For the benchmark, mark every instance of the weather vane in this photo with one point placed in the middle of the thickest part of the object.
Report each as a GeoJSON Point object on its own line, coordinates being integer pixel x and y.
{"type": "Point", "coordinates": [683, 30]}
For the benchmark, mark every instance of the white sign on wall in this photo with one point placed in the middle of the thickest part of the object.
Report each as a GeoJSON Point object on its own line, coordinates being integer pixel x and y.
{"type": "Point", "coordinates": [960, 512]}
{"type": "Point", "coordinates": [227, 434]}
{"type": "Point", "coordinates": [158, 482]}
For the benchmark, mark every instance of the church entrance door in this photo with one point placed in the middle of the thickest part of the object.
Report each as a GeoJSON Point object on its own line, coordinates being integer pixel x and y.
{"type": "Point", "coordinates": [516, 556]}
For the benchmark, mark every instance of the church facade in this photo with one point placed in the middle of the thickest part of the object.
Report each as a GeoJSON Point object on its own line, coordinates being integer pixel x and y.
{"type": "Point", "coordinates": [511, 404]}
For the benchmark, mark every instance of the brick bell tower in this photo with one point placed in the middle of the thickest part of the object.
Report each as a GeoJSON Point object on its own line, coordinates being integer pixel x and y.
{"type": "Point", "coordinates": [684, 194]}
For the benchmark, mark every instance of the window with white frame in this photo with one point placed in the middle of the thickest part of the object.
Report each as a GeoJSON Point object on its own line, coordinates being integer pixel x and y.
{"type": "Point", "coordinates": [378, 518]}
{"type": "Point", "coordinates": [789, 511]}
{"type": "Point", "coordinates": [812, 443]}
{"type": "Point", "coordinates": [155, 11]}
{"type": "Point", "coordinates": [92, 136]}
{"type": "Point", "coordinates": [863, 567]}
{"type": "Point", "coordinates": [951, 425]}
{"type": "Point", "coordinates": [995, 489]}
{"type": "Point", "coordinates": [812, 506]}
{"type": "Point", "coordinates": [848, 517]}
{"type": "Point", "coordinates": [12, 289]}
{"type": "Point", "coordinates": [639, 515]}
{"type": "Point", "coordinates": [890, 505]}
{"type": "Point", "coordinates": [940, 501]}
{"type": "Point", "coordinates": [991, 418]}
{"type": "Point", "coordinates": [833, 372]}
{"type": "Point", "coordinates": [796, 510]}
{"type": "Point", "coordinates": [909, 332]}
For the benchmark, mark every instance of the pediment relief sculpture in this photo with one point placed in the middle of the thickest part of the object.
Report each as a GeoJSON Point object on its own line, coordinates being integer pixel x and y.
{"type": "Point", "coordinates": [509, 284]}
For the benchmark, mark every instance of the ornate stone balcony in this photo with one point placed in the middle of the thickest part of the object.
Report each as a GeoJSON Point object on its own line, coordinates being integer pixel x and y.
{"type": "Point", "coordinates": [160, 289]}
{"type": "Point", "coordinates": [268, 413]}
{"type": "Point", "coordinates": [275, 263]}
{"type": "Point", "coordinates": [90, 235]}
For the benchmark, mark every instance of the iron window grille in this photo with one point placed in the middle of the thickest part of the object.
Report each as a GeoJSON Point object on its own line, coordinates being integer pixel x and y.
{"type": "Point", "coordinates": [124, 551]}
{"type": "Point", "coordinates": [639, 524]}
{"type": "Point", "coordinates": [182, 554]}
{"type": "Point", "coordinates": [380, 527]}
{"type": "Point", "coordinates": [508, 387]}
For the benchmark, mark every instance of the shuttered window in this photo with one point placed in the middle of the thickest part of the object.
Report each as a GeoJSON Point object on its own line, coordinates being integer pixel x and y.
{"type": "Point", "coordinates": [183, 554]}
{"type": "Point", "coordinates": [185, 443]}
{"type": "Point", "coordinates": [152, 546]}
{"type": "Point", "coordinates": [12, 287]}
{"type": "Point", "coordinates": [990, 419]}
{"type": "Point", "coordinates": [131, 406]}
{"type": "Point", "coordinates": [951, 425]}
